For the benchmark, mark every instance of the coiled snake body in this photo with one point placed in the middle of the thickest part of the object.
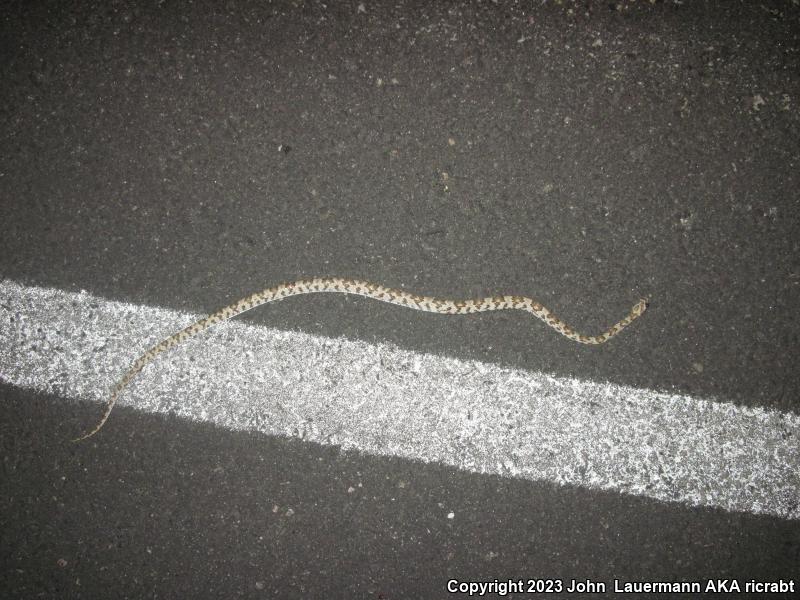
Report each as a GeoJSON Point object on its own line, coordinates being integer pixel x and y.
{"type": "Point", "coordinates": [370, 290]}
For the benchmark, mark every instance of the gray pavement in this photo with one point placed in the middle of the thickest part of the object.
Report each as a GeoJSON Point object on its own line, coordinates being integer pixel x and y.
{"type": "Point", "coordinates": [185, 155]}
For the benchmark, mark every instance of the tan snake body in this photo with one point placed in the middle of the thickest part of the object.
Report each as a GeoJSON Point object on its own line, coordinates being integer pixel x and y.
{"type": "Point", "coordinates": [370, 290]}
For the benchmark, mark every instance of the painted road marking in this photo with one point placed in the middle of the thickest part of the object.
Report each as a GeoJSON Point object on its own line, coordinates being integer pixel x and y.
{"type": "Point", "coordinates": [382, 400]}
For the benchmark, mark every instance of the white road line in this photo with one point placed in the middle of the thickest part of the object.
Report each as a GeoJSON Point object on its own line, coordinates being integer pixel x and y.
{"type": "Point", "coordinates": [381, 400]}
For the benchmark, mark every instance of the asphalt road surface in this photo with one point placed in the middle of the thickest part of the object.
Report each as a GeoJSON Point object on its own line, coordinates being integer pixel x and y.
{"type": "Point", "coordinates": [160, 160]}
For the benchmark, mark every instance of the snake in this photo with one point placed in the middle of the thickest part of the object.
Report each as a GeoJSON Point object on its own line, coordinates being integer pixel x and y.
{"type": "Point", "coordinates": [369, 290]}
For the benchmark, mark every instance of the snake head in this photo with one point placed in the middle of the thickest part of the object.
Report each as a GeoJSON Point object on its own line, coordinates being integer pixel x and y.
{"type": "Point", "coordinates": [641, 306]}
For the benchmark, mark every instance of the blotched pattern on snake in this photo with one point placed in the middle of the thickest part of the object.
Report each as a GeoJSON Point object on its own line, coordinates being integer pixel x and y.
{"type": "Point", "coordinates": [370, 290]}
